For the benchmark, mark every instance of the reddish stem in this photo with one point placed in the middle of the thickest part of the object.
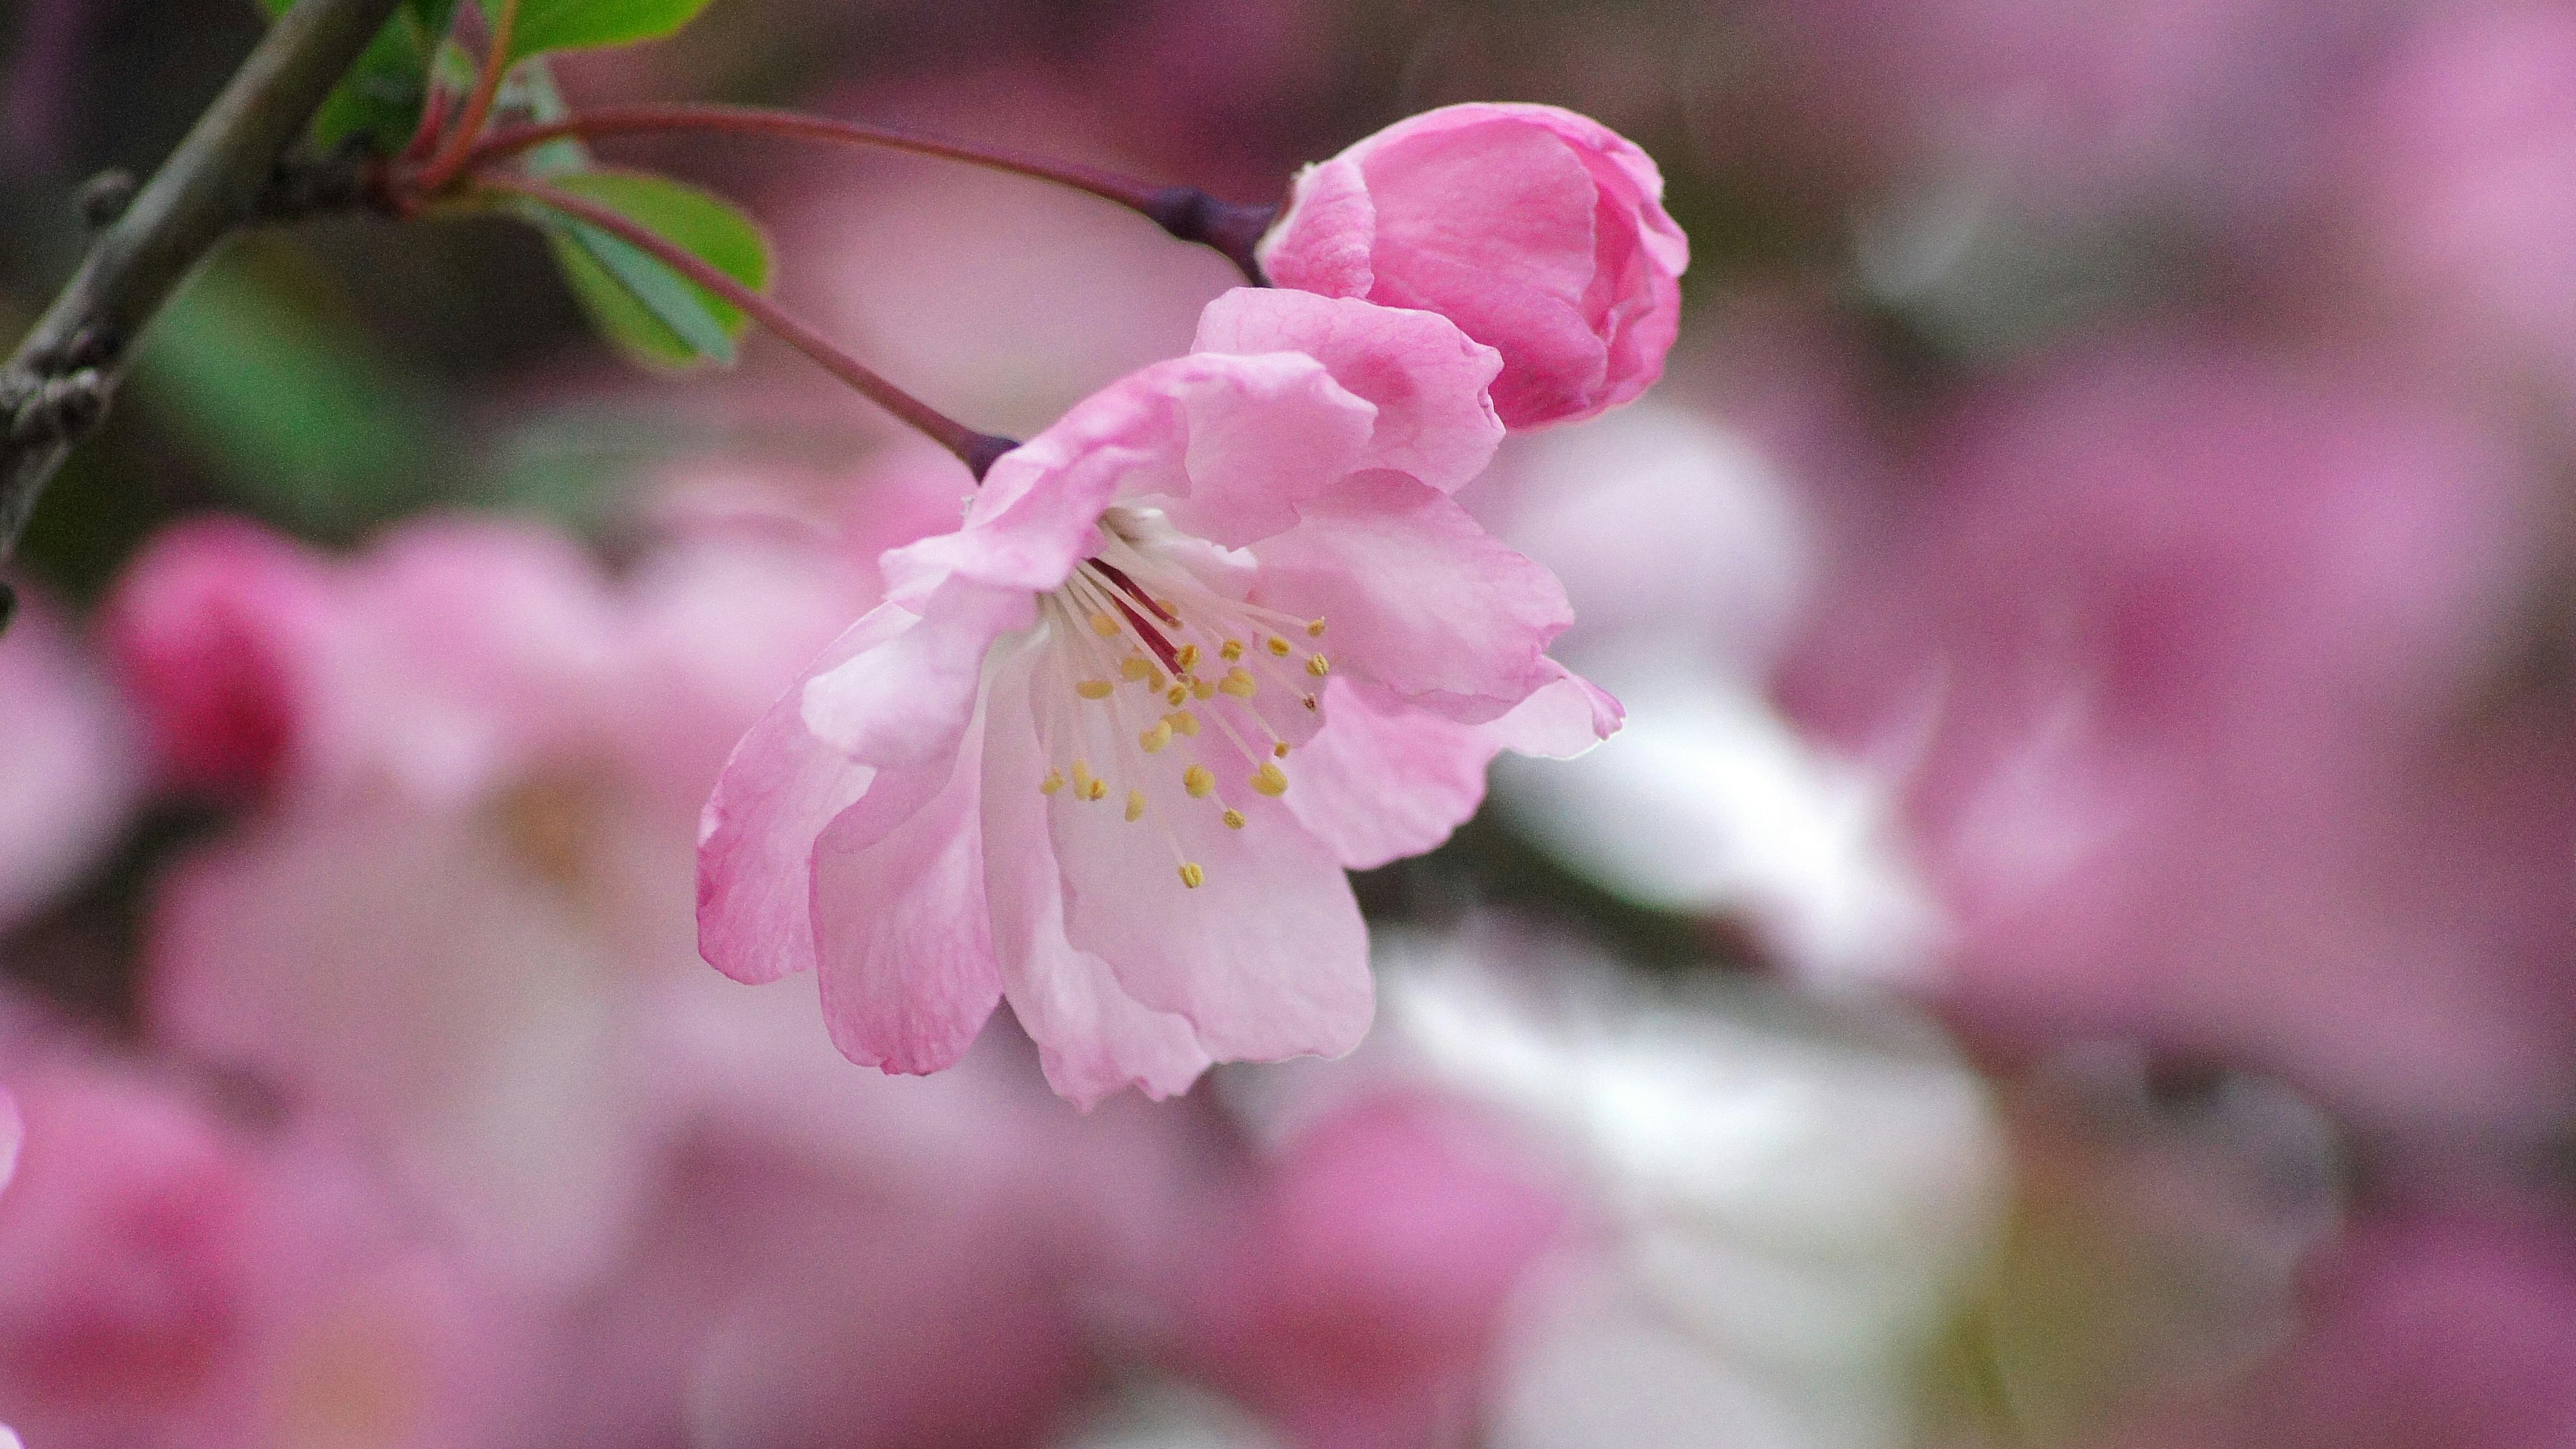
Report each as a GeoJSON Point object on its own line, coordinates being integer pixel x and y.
{"type": "Point", "coordinates": [454, 156]}
{"type": "Point", "coordinates": [1184, 211]}
{"type": "Point", "coordinates": [976, 450]}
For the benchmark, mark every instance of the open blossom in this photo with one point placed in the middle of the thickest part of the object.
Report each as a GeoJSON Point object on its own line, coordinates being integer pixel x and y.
{"type": "Point", "coordinates": [1093, 754]}
{"type": "Point", "coordinates": [1540, 232]}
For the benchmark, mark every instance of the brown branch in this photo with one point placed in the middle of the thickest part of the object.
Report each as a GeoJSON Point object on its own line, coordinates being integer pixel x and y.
{"type": "Point", "coordinates": [56, 388]}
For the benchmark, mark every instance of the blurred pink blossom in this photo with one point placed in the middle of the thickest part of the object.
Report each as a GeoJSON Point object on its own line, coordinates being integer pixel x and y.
{"type": "Point", "coordinates": [1293, 471]}
{"type": "Point", "coordinates": [1357, 1295]}
{"type": "Point", "coordinates": [445, 930]}
{"type": "Point", "coordinates": [164, 1280]}
{"type": "Point", "coordinates": [1540, 232]}
{"type": "Point", "coordinates": [72, 771]}
{"type": "Point", "coordinates": [2177, 637]}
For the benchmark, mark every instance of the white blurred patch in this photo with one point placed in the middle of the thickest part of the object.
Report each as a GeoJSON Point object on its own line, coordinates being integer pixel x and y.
{"type": "Point", "coordinates": [1790, 1213]}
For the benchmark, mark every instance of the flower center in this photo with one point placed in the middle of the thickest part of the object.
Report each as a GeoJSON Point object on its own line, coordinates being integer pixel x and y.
{"type": "Point", "coordinates": [1159, 671]}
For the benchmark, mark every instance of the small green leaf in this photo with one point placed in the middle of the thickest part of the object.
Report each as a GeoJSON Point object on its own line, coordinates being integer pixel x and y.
{"type": "Point", "coordinates": [544, 25]}
{"type": "Point", "coordinates": [382, 95]}
{"type": "Point", "coordinates": [651, 312]}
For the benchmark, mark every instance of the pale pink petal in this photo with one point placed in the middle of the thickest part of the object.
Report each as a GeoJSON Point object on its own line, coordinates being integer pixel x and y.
{"type": "Point", "coordinates": [904, 699]}
{"type": "Point", "coordinates": [1426, 378]}
{"type": "Point", "coordinates": [1093, 1037]}
{"type": "Point", "coordinates": [1262, 435]}
{"type": "Point", "coordinates": [1560, 719]}
{"type": "Point", "coordinates": [72, 770]}
{"type": "Point", "coordinates": [1384, 780]}
{"type": "Point", "coordinates": [777, 794]}
{"type": "Point", "coordinates": [904, 933]}
{"type": "Point", "coordinates": [1322, 244]}
{"type": "Point", "coordinates": [1417, 596]}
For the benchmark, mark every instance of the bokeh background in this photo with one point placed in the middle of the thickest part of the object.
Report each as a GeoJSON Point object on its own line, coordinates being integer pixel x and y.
{"type": "Point", "coordinates": [2076, 946]}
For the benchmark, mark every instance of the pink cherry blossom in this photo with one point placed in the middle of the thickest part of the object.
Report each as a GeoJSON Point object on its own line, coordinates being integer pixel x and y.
{"type": "Point", "coordinates": [446, 930]}
{"type": "Point", "coordinates": [1540, 232]}
{"type": "Point", "coordinates": [1055, 764]}
{"type": "Point", "coordinates": [1361, 1289]}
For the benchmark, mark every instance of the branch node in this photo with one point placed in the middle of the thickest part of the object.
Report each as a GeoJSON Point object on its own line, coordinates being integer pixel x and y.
{"type": "Point", "coordinates": [104, 197]}
{"type": "Point", "coordinates": [301, 186]}
{"type": "Point", "coordinates": [61, 409]}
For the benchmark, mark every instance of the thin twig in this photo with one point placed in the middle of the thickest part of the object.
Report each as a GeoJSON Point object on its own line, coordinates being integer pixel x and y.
{"type": "Point", "coordinates": [1184, 211]}
{"type": "Point", "coordinates": [478, 107]}
{"type": "Point", "coordinates": [976, 450]}
{"type": "Point", "coordinates": [57, 385]}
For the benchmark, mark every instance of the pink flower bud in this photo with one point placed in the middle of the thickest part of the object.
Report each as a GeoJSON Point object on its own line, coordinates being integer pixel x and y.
{"type": "Point", "coordinates": [1540, 232]}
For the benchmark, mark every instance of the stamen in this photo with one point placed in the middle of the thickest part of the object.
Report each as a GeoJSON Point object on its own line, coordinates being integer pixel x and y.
{"type": "Point", "coordinates": [1183, 722]}
{"type": "Point", "coordinates": [1270, 780]}
{"type": "Point", "coordinates": [1154, 739]}
{"type": "Point", "coordinates": [1231, 650]}
{"type": "Point", "coordinates": [1233, 818]}
{"type": "Point", "coordinates": [1199, 781]}
{"type": "Point", "coordinates": [1238, 683]}
{"type": "Point", "coordinates": [1200, 689]}
{"type": "Point", "coordinates": [1318, 666]}
{"type": "Point", "coordinates": [1191, 875]}
{"type": "Point", "coordinates": [1134, 667]}
{"type": "Point", "coordinates": [1053, 782]}
{"type": "Point", "coordinates": [1278, 646]}
{"type": "Point", "coordinates": [1314, 628]}
{"type": "Point", "coordinates": [1094, 688]}
{"type": "Point", "coordinates": [1135, 805]}
{"type": "Point", "coordinates": [1187, 657]}
{"type": "Point", "coordinates": [1104, 626]}
{"type": "Point", "coordinates": [1280, 750]}
{"type": "Point", "coordinates": [1177, 694]}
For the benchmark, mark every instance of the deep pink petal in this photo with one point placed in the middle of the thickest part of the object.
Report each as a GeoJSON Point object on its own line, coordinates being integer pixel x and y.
{"type": "Point", "coordinates": [1417, 596]}
{"type": "Point", "coordinates": [1323, 242]}
{"type": "Point", "coordinates": [1426, 378]}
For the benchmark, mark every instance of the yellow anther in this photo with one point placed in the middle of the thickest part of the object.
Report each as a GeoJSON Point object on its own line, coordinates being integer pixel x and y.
{"type": "Point", "coordinates": [1104, 626]}
{"type": "Point", "coordinates": [1135, 804]}
{"type": "Point", "coordinates": [1270, 780]}
{"type": "Point", "coordinates": [1176, 694]}
{"type": "Point", "coordinates": [1233, 819]}
{"type": "Point", "coordinates": [1280, 750]}
{"type": "Point", "coordinates": [1187, 656]}
{"type": "Point", "coordinates": [1098, 789]}
{"type": "Point", "coordinates": [1154, 682]}
{"type": "Point", "coordinates": [1231, 650]}
{"type": "Point", "coordinates": [1314, 628]}
{"type": "Point", "coordinates": [1278, 646]}
{"type": "Point", "coordinates": [1182, 722]}
{"type": "Point", "coordinates": [1198, 781]}
{"type": "Point", "coordinates": [1201, 689]}
{"type": "Point", "coordinates": [1168, 609]}
{"type": "Point", "coordinates": [1318, 666]}
{"type": "Point", "coordinates": [1094, 688]}
{"type": "Point", "coordinates": [1134, 667]}
{"type": "Point", "coordinates": [1237, 682]}
{"type": "Point", "coordinates": [1081, 777]}
{"type": "Point", "coordinates": [1053, 782]}
{"type": "Point", "coordinates": [1155, 738]}
{"type": "Point", "coordinates": [1191, 875]}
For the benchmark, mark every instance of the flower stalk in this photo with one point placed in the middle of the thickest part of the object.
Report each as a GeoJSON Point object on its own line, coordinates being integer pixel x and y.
{"type": "Point", "coordinates": [1184, 211]}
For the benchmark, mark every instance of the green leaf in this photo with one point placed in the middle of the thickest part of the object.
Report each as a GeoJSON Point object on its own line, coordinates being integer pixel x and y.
{"type": "Point", "coordinates": [382, 95]}
{"type": "Point", "coordinates": [545, 25]}
{"type": "Point", "coordinates": [651, 312]}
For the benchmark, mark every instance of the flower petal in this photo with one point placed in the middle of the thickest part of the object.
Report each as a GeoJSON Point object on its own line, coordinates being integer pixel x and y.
{"type": "Point", "coordinates": [1327, 232]}
{"type": "Point", "coordinates": [1427, 378]}
{"type": "Point", "coordinates": [1383, 780]}
{"type": "Point", "coordinates": [1417, 596]}
{"type": "Point", "coordinates": [901, 927]}
{"type": "Point", "coordinates": [1093, 1037]}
